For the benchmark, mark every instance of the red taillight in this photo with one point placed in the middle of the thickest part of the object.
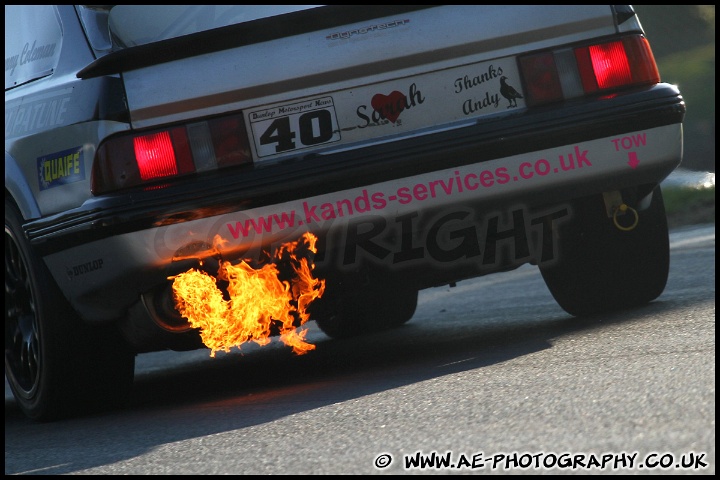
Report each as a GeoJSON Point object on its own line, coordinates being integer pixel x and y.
{"type": "Point", "coordinates": [155, 156]}
{"type": "Point", "coordinates": [610, 65]}
{"type": "Point", "coordinates": [126, 161]}
{"type": "Point", "coordinates": [641, 60]}
{"type": "Point", "coordinates": [586, 70]}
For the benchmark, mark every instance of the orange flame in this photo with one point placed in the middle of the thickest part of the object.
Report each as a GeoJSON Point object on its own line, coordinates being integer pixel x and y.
{"type": "Point", "coordinates": [259, 299]}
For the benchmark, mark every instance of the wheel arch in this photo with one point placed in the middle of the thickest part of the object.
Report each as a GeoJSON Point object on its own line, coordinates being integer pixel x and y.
{"type": "Point", "coordinates": [18, 189]}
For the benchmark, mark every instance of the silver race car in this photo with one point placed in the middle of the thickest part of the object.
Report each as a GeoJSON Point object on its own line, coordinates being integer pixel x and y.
{"type": "Point", "coordinates": [201, 176]}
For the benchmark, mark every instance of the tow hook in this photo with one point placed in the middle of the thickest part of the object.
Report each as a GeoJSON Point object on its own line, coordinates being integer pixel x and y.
{"type": "Point", "coordinates": [615, 207]}
{"type": "Point", "coordinates": [622, 209]}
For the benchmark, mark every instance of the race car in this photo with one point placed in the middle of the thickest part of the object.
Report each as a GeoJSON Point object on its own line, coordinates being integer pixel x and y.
{"type": "Point", "coordinates": [201, 176]}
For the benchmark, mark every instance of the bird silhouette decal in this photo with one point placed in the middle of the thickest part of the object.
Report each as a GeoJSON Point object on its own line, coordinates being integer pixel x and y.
{"type": "Point", "coordinates": [509, 92]}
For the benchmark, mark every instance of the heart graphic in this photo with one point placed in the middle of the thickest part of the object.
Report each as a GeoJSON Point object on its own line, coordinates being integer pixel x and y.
{"type": "Point", "coordinates": [389, 106]}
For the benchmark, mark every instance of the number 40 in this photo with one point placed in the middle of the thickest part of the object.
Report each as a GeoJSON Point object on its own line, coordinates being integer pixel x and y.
{"type": "Point", "coordinates": [315, 127]}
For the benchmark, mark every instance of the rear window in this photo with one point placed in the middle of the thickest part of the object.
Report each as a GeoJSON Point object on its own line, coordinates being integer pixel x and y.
{"type": "Point", "coordinates": [33, 37]}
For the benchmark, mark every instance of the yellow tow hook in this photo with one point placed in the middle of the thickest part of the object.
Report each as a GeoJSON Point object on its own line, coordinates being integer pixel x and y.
{"type": "Point", "coordinates": [622, 209]}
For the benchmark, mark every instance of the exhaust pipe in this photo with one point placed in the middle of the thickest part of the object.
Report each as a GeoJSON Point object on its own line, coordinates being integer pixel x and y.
{"type": "Point", "coordinates": [160, 305]}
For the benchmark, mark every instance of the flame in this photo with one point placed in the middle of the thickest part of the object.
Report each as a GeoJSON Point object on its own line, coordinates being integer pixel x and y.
{"type": "Point", "coordinates": [260, 299]}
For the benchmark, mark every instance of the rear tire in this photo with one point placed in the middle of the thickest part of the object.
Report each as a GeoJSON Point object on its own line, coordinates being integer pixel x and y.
{"type": "Point", "coordinates": [55, 365]}
{"type": "Point", "coordinates": [350, 308]}
{"type": "Point", "coordinates": [601, 268]}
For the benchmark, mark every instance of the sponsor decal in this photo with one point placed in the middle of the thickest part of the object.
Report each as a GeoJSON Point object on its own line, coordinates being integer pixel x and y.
{"type": "Point", "coordinates": [83, 268]}
{"type": "Point", "coordinates": [61, 168]}
{"type": "Point", "coordinates": [433, 189]}
{"type": "Point", "coordinates": [437, 217]}
{"type": "Point", "coordinates": [31, 116]}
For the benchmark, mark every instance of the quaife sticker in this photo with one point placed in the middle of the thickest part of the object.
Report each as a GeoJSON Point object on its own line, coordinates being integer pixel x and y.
{"type": "Point", "coordinates": [61, 168]}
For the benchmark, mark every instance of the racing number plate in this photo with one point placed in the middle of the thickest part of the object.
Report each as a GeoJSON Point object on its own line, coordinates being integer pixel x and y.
{"type": "Point", "coordinates": [404, 106]}
{"type": "Point", "coordinates": [293, 127]}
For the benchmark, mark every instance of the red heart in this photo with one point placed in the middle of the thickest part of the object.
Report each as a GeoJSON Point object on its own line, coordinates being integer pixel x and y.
{"type": "Point", "coordinates": [389, 106]}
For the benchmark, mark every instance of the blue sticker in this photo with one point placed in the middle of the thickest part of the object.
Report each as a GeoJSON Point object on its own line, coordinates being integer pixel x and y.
{"type": "Point", "coordinates": [61, 168]}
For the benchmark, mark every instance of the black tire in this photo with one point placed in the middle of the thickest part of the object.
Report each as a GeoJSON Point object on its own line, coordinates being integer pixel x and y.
{"type": "Point", "coordinates": [55, 365]}
{"type": "Point", "coordinates": [349, 309]}
{"type": "Point", "coordinates": [602, 268]}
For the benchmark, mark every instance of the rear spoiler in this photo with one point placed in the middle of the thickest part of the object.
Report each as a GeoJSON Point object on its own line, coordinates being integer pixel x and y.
{"type": "Point", "coordinates": [232, 36]}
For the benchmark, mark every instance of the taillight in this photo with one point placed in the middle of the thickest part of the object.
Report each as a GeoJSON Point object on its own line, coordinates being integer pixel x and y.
{"type": "Point", "coordinates": [146, 158]}
{"type": "Point", "coordinates": [156, 157]}
{"type": "Point", "coordinates": [600, 68]}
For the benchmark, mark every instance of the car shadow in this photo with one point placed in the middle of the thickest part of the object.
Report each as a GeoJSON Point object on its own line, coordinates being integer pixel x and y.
{"type": "Point", "coordinates": [235, 391]}
{"type": "Point", "coordinates": [453, 331]}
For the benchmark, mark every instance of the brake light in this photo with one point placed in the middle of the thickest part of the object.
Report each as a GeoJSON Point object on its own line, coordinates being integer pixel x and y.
{"type": "Point", "coordinates": [600, 68]}
{"type": "Point", "coordinates": [610, 65]}
{"type": "Point", "coordinates": [125, 161]}
{"type": "Point", "coordinates": [156, 157]}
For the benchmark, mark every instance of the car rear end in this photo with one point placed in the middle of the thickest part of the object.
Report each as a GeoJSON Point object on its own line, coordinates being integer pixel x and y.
{"type": "Point", "coordinates": [348, 155]}
{"type": "Point", "coordinates": [247, 129]}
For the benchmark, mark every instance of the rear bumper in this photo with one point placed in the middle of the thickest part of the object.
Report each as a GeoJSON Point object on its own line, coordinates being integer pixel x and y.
{"type": "Point", "coordinates": [107, 253]}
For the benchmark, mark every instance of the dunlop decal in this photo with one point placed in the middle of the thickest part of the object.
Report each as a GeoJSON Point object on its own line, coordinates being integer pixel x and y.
{"type": "Point", "coordinates": [83, 268]}
{"type": "Point", "coordinates": [61, 168]}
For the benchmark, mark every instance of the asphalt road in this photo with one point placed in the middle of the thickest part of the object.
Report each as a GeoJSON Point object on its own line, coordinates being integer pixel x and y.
{"type": "Point", "coordinates": [492, 373]}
